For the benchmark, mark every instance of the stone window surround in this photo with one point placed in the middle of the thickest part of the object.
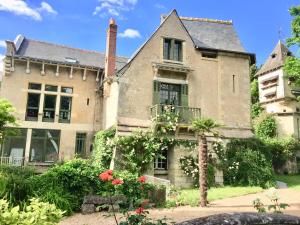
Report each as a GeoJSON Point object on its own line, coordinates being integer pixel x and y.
{"type": "Point", "coordinates": [42, 93]}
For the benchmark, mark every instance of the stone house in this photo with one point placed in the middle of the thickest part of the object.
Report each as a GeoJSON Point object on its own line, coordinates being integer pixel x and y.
{"type": "Point", "coordinates": [197, 65]}
{"type": "Point", "coordinates": [279, 98]}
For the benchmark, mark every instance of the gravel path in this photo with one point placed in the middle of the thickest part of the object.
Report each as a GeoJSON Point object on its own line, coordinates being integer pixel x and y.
{"type": "Point", "coordinates": [235, 204]}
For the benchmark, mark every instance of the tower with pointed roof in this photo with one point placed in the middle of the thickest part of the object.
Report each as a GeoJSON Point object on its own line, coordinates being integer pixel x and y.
{"type": "Point", "coordinates": [276, 95]}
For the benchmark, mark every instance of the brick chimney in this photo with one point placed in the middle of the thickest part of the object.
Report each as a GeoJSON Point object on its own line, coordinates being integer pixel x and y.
{"type": "Point", "coordinates": [111, 45]}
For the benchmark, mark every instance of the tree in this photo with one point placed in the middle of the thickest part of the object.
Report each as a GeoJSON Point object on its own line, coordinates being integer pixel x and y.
{"type": "Point", "coordinates": [6, 117]}
{"type": "Point", "coordinates": [292, 64]}
{"type": "Point", "coordinates": [203, 127]}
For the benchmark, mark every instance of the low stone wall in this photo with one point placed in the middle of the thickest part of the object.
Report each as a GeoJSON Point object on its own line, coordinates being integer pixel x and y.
{"type": "Point", "coordinates": [244, 219]}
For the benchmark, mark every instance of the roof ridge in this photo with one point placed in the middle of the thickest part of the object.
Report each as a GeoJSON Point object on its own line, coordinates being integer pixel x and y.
{"type": "Point", "coordinates": [228, 22]}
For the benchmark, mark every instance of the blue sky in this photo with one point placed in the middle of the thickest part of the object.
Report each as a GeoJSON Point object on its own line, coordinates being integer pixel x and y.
{"type": "Point", "coordinates": [83, 23]}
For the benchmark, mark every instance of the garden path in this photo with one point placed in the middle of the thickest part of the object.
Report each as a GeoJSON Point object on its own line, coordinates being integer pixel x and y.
{"type": "Point", "coordinates": [235, 204]}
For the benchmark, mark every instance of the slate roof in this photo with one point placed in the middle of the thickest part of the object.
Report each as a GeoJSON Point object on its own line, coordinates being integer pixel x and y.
{"type": "Point", "coordinates": [58, 53]}
{"type": "Point", "coordinates": [276, 59]}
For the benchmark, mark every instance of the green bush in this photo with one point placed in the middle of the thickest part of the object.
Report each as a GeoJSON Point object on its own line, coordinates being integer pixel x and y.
{"type": "Point", "coordinates": [36, 213]}
{"type": "Point", "coordinates": [103, 148]}
{"type": "Point", "coordinates": [66, 185]}
{"type": "Point", "coordinates": [189, 165]}
{"type": "Point", "coordinates": [256, 110]}
{"type": "Point", "coordinates": [265, 126]}
{"type": "Point", "coordinates": [282, 150]}
{"type": "Point", "coordinates": [246, 162]}
{"type": "Point", "coordinates": [14, 183]}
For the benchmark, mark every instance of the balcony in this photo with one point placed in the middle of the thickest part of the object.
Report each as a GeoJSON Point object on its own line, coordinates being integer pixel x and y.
{"type": "Point", "coordinates": [185, 114]}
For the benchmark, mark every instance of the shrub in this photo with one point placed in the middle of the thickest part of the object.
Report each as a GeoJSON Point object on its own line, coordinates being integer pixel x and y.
{"type": "Point", "coordinates": [246, 162]}
{"type": "Point", "coordinates": [190, 167]}
{"type": "Point", "coordinates": [103, 148]}
{"type": "Point", "coordinates": [14, 183]}
{"type": "Point", "coordinates": [36, 213]}
{"type": "Point", "coordinates": [256, 110]}
{"type": "Point", "coordinates": [66, 185]}
{"type": "Point", "coordinates": [282, 150]}
{"type": "Point", "coordinates": [265, 126]}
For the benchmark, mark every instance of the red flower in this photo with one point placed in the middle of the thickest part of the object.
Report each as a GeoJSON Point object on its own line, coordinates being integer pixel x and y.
{"type": "Point", "coordinates": [139, 210]}
{"type": "Point", "coordinates": [117, 182]}
{"type": "Point", "coordinates": [142, 179]}
{"type": "Point", "coordinates": [109, 172]}
{"type": "Point", "coordinates": [105, 176]}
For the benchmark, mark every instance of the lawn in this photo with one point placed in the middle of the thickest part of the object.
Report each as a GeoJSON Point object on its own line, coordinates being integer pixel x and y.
{"type": "Point", "coordinates": [191, 196]}
{"type": "Point", "coordinates": [293, 181]}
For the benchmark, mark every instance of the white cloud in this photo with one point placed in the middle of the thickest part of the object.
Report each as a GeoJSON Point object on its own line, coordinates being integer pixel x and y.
{"type": "Point", "coordinates": [159, 6]}
{"type": "Point", "coordinates": [20, 7]}
{"type": "Point", "coordinates": [2, 44]}
{"type": "Point", "coordinates": [47, 8]}
{"type": "Point", "coordinates": [114, 7]}
{"type": "Point", "coordinates": [130, 33]}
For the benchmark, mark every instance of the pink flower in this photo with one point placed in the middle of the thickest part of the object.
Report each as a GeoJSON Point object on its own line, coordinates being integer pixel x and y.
{"type": "Point", "coordinates": [139, 210]}
{"type": "Point", "coordinates": [142, 179]}
{"type": "Point", "coordinates": [106, 176]}
{"type": "Point", "coordinates": [117, 182]}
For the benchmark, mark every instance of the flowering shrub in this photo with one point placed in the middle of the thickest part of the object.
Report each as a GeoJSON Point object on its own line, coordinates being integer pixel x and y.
{"type": "Point", "coordinates": [136, 192]}
{"type": "Point", "coordinates": [190, 167]}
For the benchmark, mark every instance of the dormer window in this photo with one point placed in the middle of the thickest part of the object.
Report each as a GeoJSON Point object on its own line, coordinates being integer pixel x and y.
{"type": "Point", "coordinates": [172, 49]}
{"type": "Point", "coordinates": [71, 60]}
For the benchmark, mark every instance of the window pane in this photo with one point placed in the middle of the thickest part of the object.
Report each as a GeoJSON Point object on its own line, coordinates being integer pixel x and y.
{"type": "Point", "coordinates": [162, 161]}
{"type": "Point", "coordinates": [169, 94]}
{"type": "Point", "coordinates": [177, 51]}
{"type": "Point", "coordinates": [14, 147]}
{"type": "Point", "coordinates": [167, 48]}
{"type": "Point", "coordinates": [34, 86]}
{"type": "Point", "coordinates": [44, 145]}
{"type": "Point", "coordinates": [80, 144]}
{"type": "Point", "coordinates": [33, 102]}
{"type": "Point", "coordinates": [49, 108]}
{"type": "Point", "coordinates": [68, 90]}
{"type": "Point", "coordinates": [65, 109]}
{"type": "Point", "coordinates": [50, 88]}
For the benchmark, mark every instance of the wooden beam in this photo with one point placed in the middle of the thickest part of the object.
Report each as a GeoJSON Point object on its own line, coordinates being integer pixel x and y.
{"type": "Point", "coordinates": [57, 70]}
{"type": "Point", "coordinates": [28, 66]}
{"type": "Point", "coordinates": [97, 77]}
{"type": "Point", "coordinates": [84, 74]}
{"type": "Point", "coordinates": [43, 69]}
{"type": "Point", "coordinates": [71, 73]}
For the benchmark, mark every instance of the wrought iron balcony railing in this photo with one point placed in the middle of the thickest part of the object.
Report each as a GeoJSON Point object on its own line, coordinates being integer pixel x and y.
{"type": "Point", "coordinates": [185, 115]}
{"type": "Point", "coordinates": [12, 161]}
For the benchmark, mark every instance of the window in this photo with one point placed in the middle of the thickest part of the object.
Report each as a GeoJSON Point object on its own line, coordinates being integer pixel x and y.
{"type": "Point", "coordinates": [32, 111]}
{"type": "Point", "coordinates": [65, 109]}
{"type": "Point", "coordinates": [44, 145]}
{"type": "Point", "coordinates": [211, 55]}
{"type": "Point", "coordinates": [80, 144]}
{"type": "Point", "coordinates": [34, 86]}
{"type": "Point", "coordinates": [49, 108]}
{"type": "Point", "coordinates": [172, 49]}
{"type": "Point", "coordinates": [14, 146]}
{"type": "Point", "coordinates": [51, 88]}
{"type": "Point", "coordinates": [233, 83]}
{"type": "Point", "coordinates": [67, 90]}
{"type": "Point", "coordinates": [161, 162]}
{"type": "Point", "coordinates": [169, 94]}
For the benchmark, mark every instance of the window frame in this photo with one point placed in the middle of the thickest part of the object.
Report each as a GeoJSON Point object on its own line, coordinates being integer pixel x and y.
{"type": "Point", "coordinates": [44, 140]}
{"type": "Point", "coordinates": [60, 120]}
{"type": "Point", "coordinates": [45, 119]}
{"type": "Point", "coordinates": [29, 118]}
{"type": "Point", "coordinates": [83, 143]}
{"type": "Point", "coordinates": [171, 50]}
{"type": "Point", "coordinates": [163, 162]}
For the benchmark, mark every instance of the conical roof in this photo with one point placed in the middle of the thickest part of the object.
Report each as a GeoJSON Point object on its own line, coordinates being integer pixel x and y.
{"type": "Point", "coordinates": [276, 59]}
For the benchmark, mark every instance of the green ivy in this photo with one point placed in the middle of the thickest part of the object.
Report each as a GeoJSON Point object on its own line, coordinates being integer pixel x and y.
{"type": "Point", "coordinates": [265, 126]}
{"type": "Point", "coordinates": [103, 148]}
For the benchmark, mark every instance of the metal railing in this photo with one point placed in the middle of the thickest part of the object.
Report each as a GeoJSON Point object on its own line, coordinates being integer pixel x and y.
{"type": "Point", "coordinates": [185, 114]}
{"type": "Point", "coordinates": [12, 161]}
